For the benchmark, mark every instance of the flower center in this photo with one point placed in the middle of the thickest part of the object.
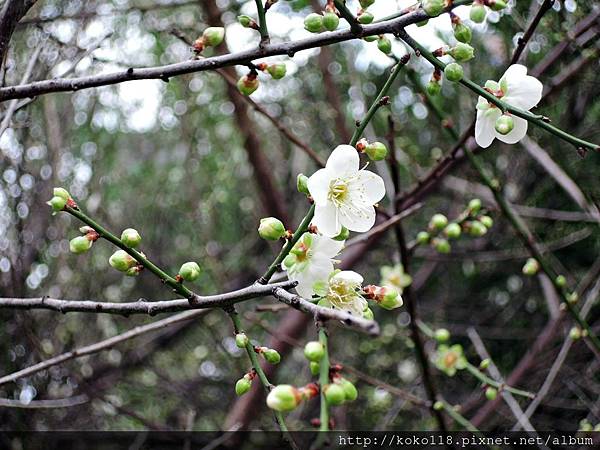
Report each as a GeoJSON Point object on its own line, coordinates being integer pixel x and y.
{"type": "Point", "coordinates": [338, 191]}
{"type": "Point", "coordinates": [450, 359]}
{"type": "Point", "coordinates": [341, 292]}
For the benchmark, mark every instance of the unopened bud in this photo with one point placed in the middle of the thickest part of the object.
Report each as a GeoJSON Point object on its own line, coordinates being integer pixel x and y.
{"type": "Point", "coordinates": [213, 36]}
{"type": "Point", "coordinates": [371, 38]}
{"type": "Point", "coordinates": [462, 52]}
{"type": "Point", "coordinates": [242, 386]}
{"type": "Point", "coordinates": [314, 368]}
{"type": "Point", "coordinates": [442, 335]}
{"type": "Point", "coordinates": [86, 229]}
{"type": "Point", "coordinates": [477, 229]}
{"type": "Point", "coordinates": [80, 244]}
{"type": "Point", "coordinates": [452, 231]}
{"type": "Point", "coordinates": [241, 340]}
{"type": "Point", "coordinates": [462, 33]}
{"type": "Point", "coordinates": [497, 5]}
{"type": "Point", "coordinates": [441, 245]}
{"type": "Point", "coordinates": [391, 298]}
{"type": "Point", "coordinates": [484, 364]}
{"type": "Point", "coordinates": [504, 124]}
{"type": "Point", "coordinates": [271, 356]}
{"type": "Point", "coordinates": [302, 184]}
{"type": "Point", "coordinates": [376, 151]}
{"type": "Point", "coordinates": [433, 87]}
{"type": "Point", "coordinates": [247, 84]}
{"type": "Point", "coordinates": [271, 229]}
{"type": "Point", "coordinates": [314, 351]}
{"type": "Point", "coordinates": [130, 237]}
{"type": "Point", "coordinates": [277, 70]}
{"type": "Point", "coordinates": [350, 391]}
{"type": "Point", "coordinates": [190, 271]}
{"type": "Point", "coordinates": [487, 221]}
{"type": "Point", "coordinates": [284, 398]}
{"type": "Point", "coordinates": [423, 237]}
{"type": "Point", "coordinates": [334, 394]}
{"type": "Point", "coordinates": [122, 261]}
{"type": "Point", "coordinates": [365, 18]}
{"type": "Point", "coordinates": [433, 8]}
{"type": "Point", "coordinates": [133, 271]}
{"type": "Point", "coordinates": [573, 298]}
{"type": "Point", "coordinates": [366, 3]}
{"type": "Point", "coordinates": [368, 314]}
{"type": "Point", "coordinates": [247, 21]}
{"type": "Point", "coordinates": [57, 203]}
{"type": "Point", "coordinates": [62, 193]}
{"type": "Point", "coordinates": [477, 13]}
{"type": "Point", "coordinates": [531, 267]}
{"type": "Point", "coordinates": [384, 45]}
{"type": "Point", "coordinates": [474, 206]}
{"type": "Point", "coordinates": [561, 281]}
{"type": "Point", "coordinates": [575, 333]}
{"type": "Point", "coordinates": [422, 23]}
{"type": "Point", "coordinates": [454, 72]}
{"type": "Point", "coordinates": [438, 406]}
{"type": "Point", "coordinates": [313, 23]}
{"type": "Point", "coordinates": [491, 393]}
{"type": "Point", "coordinates": [438, 221]}
{"type": "Point", "coordinates": [330, 21]}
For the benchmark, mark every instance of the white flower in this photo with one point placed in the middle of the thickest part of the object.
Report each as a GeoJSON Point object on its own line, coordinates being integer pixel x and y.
{"type": "Point", "coordinates": [343, 292]}
{"type": "Point", "coordinates": [311, 261]}
{"type": "Point", "coordinates": [515, 88]}
{"type": "Point", "coordinates": [344, 195]}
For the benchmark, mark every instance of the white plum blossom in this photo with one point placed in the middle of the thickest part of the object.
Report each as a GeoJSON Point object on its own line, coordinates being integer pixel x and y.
{"type": "Point", "coordinates": [344, 194]}
{"type": "Point", "coordinates": [515, 88]}
{"type": "Point", "coordinates": [311, 261]}
{"type": "Point", "coordinates": [343, 292]}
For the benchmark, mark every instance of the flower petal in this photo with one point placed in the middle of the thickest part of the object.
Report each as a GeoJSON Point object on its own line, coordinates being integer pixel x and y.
{"type": "Point", "coordinates": [523, 91]}
{"type": "Point", "coordinates": [324, 247]}
{"type": "Point", "coordinates": [367, 186]}
{"type": "Point", "coordinates": [318, 185]}
{"type": "Point", "coordinates": [349, 276]}
{"type": "Point", "coordinates": [518, 132]}
{"type": "Point", "coordinates": [326, 219]}
{"type": "Point", "coordinates": [316, 271]}
{"type": "Point", "coordinates": [344, 160]}
{"type": "Point", "coordinates": [357, 217]}
{"type": "Point", "coordinates": [485, 130]}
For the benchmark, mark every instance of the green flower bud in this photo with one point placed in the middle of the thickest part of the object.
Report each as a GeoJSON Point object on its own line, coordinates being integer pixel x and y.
{"type": "Point", "coordinates": [462, 52]}
{"type": "Point", "coordinates": [277, 70]}
{"type": "Point", "coordinates": [376, 151]}
{"type": "Point", "coordinates": [271, 229]}
{"type": "Point", "coordinates": [314, 368]}
{"type": "Point", "coordinates": [423, 237]}
{"type": "Point", "coordinates": [344, 234]}
{"type": "Point", "coordinates": [477, 13]}
{"type": "Point", "coordinates": [284, 398]}
{"type": "Point", "coordinates": [491, 393]}
{"type": "Point", "coordinates": [422, 23]}
{"type": "Point", "coordinates": [334, 394]}
{"type": "Point", "coordinates": [438, 221]}
{"type": "Point", "coordinates": [487, 221]}
{"type": "Point", "coordinates": [57, 203]}
{"type": "Point", "coordinates": [561, 281]}
{"type": "Point", "coordinates": [302, 184]}
{"type": "Point", "coordinates": [130, 237]}
{"type": "Point", "coordinates": [474, 206]}
{"type": "Point", "coordinates": [245, 21]}
{"type": "Point", "coordinates": [452, 231]}
{"type": "Point", "coordinates": [62, 193]}
{"type": "Point", "coordinates": [330, 21]}
{"type": "Point", "coordinates": [454, 72]}
{"type": "Point", "coordinates": [438, 406]}
{"type": "Point", "coordinates": [504, 124]}
{"type": "Point", "coordinates": [365, 18]}
{"type": "Point", "coordinates": [213, 36]}
{"type": "Point", "coordinates": [433, 8]}
{"type": "Point", "coordinates": [441, 245]}
{"type": "Point", "coordinates": [462, 33]}
{"type": "Point", "coordinates": [241, 340]}
{"type": "Point", "coordinates": [122, 261]}
{"type": "Point", "coordinates": [366, 3]}
{"type": "Point", "coordinates": [575, 333]}
{"type": "Point", "coordinates": [484, 364]}
{"type": "Point", "coordinates": [434, 87]}
{"type": "Point", "coordinates": [573, 298]}
{"type": "Point", "coordinates": [441, 335]}
{"type": "Point", "coordinates": [86, 229]}
{"type": "Point", "coordinates": [368, 314]}
{"type": "Point", "coordinates": [391, 298]}
{"type": "Point", "coordinates": [242, 386]}
{"type": "Point", "coordinates": [271, 356]}
{"type": "Point", "coordinates": [314, 351]}
{"type": "Point", "coordinates": [477, 229]}
{"type": "Point", "coordinates": [80, 244]}
{"type": "Point", "coordinates": [370, 38]}
{"type": "Point", "coordinates": [313, 23]}
{"type": "Point", "coordinates": [190, 271]}
{"type": "Point", "coordinates": [531, 267]}
{"type": "Point", "coordinates": [133, 271]}
{"type": "Point", "coordinates": [497, 5]}
{"type": "Point", "coordinates": [247, 84]}
{"type": "Point", "coordinates": [350, 391]}
{"type": "Point", "coordinates": [385, 45]}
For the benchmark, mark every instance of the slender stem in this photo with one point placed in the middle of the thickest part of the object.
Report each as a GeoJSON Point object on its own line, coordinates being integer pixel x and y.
{"type": "Point", "coordinates": [538, 120]}
{"type": "Point", "coordinates": [377, 102]}
{"type": "Point", "coordinates": [104, 233]}
{"type": "Point", "coordinates": [459, 418]}
{"type": "Point", "coordinates": [324, 380]}
{"type": "Point", "coordinates": [355, 27]}
{"type": "Point", "coordinates": [500, 386]}
{"type": "Point", "coordinates": [288, 246]}
{"type": "Point", "coordinates": [262, 23]}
